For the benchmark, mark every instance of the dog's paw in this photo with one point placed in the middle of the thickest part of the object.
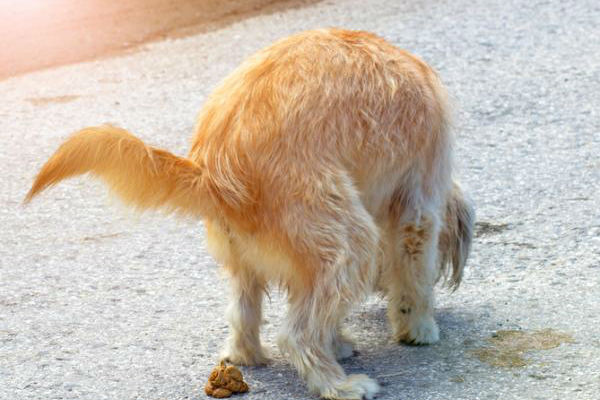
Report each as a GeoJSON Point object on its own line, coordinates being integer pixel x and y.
{"type": "Point", "coordinates": [343, 347]}
{"type": "Point", "coordinates": [245, 356]}
{"type": "Point", "coordinates": [355, 387]}
{"type": "Point", "coordinates": [423, 331]}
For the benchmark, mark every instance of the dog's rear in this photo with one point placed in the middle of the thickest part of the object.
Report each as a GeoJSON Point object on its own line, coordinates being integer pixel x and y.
{"type": "Point", "coordinates": [317, 155]}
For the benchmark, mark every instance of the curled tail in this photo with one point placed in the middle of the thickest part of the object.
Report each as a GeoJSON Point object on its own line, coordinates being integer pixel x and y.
{"type": "Point", "coordinates": [142, 176]}
{"type": "Point", "coordinates": [456, 236]}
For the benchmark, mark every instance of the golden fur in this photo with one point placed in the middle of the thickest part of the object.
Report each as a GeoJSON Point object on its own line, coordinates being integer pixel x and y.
{"type": "Point", "coordinates": [323, 164]}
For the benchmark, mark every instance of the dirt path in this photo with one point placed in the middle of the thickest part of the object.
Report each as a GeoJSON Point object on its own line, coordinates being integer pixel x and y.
{"type": "Point", "coordinates": [42, 34]}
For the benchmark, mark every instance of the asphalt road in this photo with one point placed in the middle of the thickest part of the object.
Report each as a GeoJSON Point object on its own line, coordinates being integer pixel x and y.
{"type": "Point", "coordinates": [96, 303]}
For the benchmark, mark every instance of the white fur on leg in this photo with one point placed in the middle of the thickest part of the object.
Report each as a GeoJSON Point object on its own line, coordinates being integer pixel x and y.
{"type": "Point", "coordinates": [312, 347]}
{"type": "Point", "coordinates": [421, 330]}
{"type": "Point", "coordinates": [235, 352]}
{"type": "Point", "coordinates": [424, 331]}
{"type": "Point", "coordinates": [408, 280]}
{"type": "Point", "coordinates": [245, 315]}
{"type": "Point", "coordinates": [343, 347]}
{"type": "Point", "coordinates": [411, 324]}
{"type": "Point", "coordinates": [355, 387]}
{"type": "Point", "coordinates": [323, 375]}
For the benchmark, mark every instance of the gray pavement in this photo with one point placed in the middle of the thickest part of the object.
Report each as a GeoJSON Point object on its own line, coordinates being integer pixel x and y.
{"type": "Point", "coordinates": [97, 303]}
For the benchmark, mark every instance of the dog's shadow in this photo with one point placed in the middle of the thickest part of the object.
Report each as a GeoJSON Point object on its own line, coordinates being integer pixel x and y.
{"type": "Point", "coordinates": [403, 371]}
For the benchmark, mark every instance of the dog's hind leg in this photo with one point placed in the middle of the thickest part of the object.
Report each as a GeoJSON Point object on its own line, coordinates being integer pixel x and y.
{"type": "Point", "coordinates": [245, 305]}
{"type": "Point", "coordinates": [409, 282]}
{"type": "Point", "coordinates": [336, 240]}
{"type": "Point", "coordinates": [411, 267]}
{"type": "Point", "coordinates": [343, 346]}
{"type": "Point", "coordinates": [245, 316]}
{"type": "Point", "coordinates": [308, 339]}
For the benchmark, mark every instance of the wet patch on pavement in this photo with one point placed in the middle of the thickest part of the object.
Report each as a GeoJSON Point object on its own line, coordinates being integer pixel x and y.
{"type": "Point", "coordinates": [508, 348]}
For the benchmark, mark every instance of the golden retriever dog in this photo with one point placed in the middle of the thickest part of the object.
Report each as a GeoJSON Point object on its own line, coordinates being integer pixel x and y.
{"type": "Point", "coordinates": [322, 165]}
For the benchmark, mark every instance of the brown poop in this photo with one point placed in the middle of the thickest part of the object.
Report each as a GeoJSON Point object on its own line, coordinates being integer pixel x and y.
{"type": "Point", "coordinates": [224, 381]}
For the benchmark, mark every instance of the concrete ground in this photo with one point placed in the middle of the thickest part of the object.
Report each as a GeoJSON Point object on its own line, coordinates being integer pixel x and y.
{"type": "Point", "coordinates": [98, 304]}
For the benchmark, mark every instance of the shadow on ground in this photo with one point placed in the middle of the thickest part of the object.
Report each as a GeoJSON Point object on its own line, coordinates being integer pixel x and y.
{"type": "Point", "coordinates": [395, 366]}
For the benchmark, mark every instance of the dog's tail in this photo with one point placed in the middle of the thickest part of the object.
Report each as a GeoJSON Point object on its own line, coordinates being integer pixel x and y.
{"type": "Point", "coordinates": [456, 237]}
{"type": "Point", "coordinates": [142, 176]}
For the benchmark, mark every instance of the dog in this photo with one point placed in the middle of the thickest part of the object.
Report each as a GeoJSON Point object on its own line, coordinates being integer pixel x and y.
{"type": "Point", "coordinates": [323, 164]}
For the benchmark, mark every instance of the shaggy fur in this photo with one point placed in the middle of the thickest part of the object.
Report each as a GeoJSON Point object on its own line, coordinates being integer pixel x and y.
{"type": "Point", "coordinates": [322, 164]}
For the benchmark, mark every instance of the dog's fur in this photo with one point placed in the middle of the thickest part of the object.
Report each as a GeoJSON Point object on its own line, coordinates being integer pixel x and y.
{"type": "Point", "coordinates": [322, 164]}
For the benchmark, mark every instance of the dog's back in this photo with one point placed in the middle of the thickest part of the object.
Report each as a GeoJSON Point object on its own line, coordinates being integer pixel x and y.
{"type": "Point", "coordinates": [327, 99]}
